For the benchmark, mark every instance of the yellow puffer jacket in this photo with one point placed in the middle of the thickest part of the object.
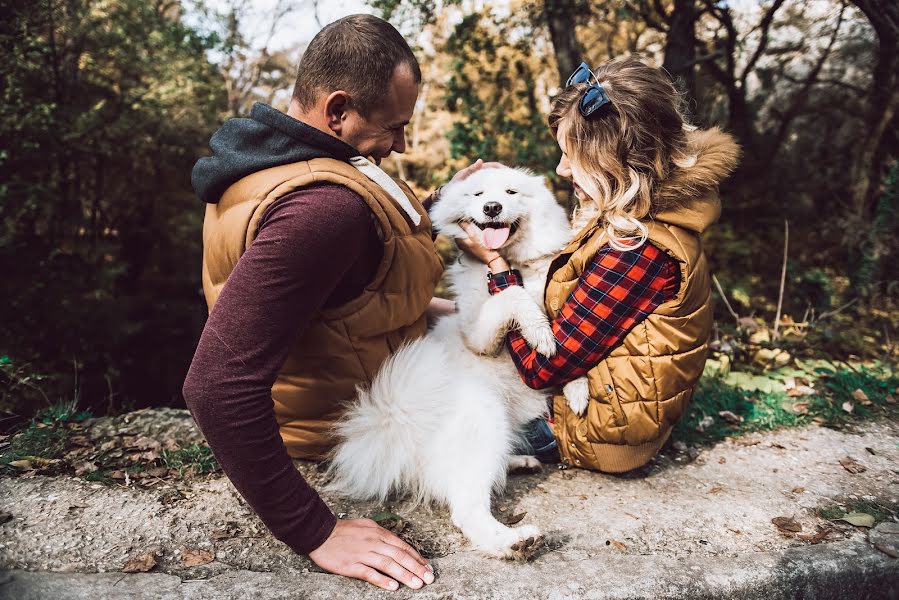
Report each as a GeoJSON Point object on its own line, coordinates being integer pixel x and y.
{"type": "Point", "coordinates": [640, 390]}
{"type": "Point", "coordinates": [343, 346]}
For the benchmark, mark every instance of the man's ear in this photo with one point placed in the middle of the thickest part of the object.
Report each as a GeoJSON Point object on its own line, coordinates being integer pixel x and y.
{"type": "Point", "coordinates": [336, 106]}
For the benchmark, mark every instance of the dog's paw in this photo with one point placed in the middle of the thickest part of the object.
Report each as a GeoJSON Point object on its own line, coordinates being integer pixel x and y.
{"type": "Point", "coordinates": [527, 545]}
{"type": "Point", "coordinates": [520, 463]}
{"type": "Point", "coordinates": [577, 393]}
{"type": "Point", "coordinates": [541, 338]}
{"type": "Point", "coordinates": [481, 344]}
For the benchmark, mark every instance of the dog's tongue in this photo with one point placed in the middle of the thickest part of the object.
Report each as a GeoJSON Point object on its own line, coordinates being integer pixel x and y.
{"type": "Point", "coordinates": [495, 238]}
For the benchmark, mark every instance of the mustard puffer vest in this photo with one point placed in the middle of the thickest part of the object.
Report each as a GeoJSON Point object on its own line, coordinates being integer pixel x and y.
{"type": "Point", "coordinates": [641, 389]}
{"type": "Point", "coordinates": [343, 346]}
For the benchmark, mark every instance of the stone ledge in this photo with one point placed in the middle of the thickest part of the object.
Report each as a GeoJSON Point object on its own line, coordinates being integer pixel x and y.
{"type": "Point", "coordinates": [839, 571]}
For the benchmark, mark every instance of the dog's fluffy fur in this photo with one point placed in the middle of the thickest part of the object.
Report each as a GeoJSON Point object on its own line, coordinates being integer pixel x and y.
{"type": "Point", "coordinates": [443, 414]}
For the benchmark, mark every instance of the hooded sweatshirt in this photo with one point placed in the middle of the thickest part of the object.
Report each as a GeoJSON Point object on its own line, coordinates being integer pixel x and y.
{"type": "Point", "coordinates": [323, 234]}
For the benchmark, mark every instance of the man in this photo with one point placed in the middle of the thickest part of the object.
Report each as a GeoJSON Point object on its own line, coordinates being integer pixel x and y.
{"type": "Point", "coordinates": [316, 265]}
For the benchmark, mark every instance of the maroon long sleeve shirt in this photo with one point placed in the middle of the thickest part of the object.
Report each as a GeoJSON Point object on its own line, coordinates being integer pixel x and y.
{"type": "Point", "coordinates": [315, 248]}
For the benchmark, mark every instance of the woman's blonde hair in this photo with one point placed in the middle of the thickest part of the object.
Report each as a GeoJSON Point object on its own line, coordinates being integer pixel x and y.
{"type": "Point", "coordinates": [622, 152]}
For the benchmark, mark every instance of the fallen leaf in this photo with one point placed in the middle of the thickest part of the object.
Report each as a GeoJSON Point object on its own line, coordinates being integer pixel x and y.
{"type": "Point", "coordinates": [619, 545]}
{"type": "Point", "coordinates": [715, 489]}
{"type": "Point", "coordinates": [870, 451]}
{"type": "Point", "coordinates": [815, 538]}
{"type": "Point", "coordinates": [848, 406]}
{"type": "Point", "coordinates": [145, 443]}
{"type": "Point", "coordinates": [730, 417]}
{"type": "Point", "coordinates": [85, 467]}
{"type": "Point", "coordinates": [787, 524]}
{"type": "Point", "coordinates": [226, 533]}
{"type": "Point", "coordinates": [705, 423]}
{"type": "Point", "coordinates": [80, 440]}
{"type": "Point", "coordinates": [801, 408]}
{"type": "Point", "coordinates": [852, 465]}
{"type": "Point", "coordinates": [390, 521]}
{"type": "Point", "coordinates": [722, 460]}
{"type": "Point", "coordinates": [157, 472]}
{"type": "Point", "coordinates": [890, 399]}
{"type": "Point", "coordinates": [107, 446]}
{"type": "Point", "coordinates": [117, 475]}
{"type": "Point", "coordinates": [140, 564]}
{"type": "Point", "coordinates": [23, 465]}
{"type": "Point", "coordinates": [862, 397]}
{"type": "Point", "coordinates": [194, 557]}
{"type": "Point", "coordinates": [858, 519]}
{"type": "Point", "coordinates": [798, 490]}
{"type": "Point", "coordinates": [512, 520]}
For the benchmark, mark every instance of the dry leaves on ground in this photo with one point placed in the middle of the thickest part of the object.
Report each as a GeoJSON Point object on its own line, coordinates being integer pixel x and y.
{"type": "Point", "coordinates": [195, 557]}
{"type": "Point", "coordinates": [858, 519]}
{"type": "Point", "coordinates": [852, 465]}
{"type": "Point", "coordinates": [862, 397]}
{"type": "Point", "coordinates": [730, 417]}
{"type": "Point", "coordinates": [515, 518]}
{"type": "Point", "coordinates": [787, 524]}
{"type": "Point", "coordinates": [141, 563]}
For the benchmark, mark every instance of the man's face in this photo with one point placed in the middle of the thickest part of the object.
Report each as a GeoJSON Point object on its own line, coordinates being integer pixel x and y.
{"type": "Point", "coordinates": [384, 130]}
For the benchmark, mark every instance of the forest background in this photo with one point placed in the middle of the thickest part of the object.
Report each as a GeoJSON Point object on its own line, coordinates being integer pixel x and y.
{"type": "Point", "coordinates": [107, 104]}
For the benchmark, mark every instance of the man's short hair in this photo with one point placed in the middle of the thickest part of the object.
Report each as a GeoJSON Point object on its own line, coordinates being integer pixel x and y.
{"type": "Point", "coordinates": [357, 54]}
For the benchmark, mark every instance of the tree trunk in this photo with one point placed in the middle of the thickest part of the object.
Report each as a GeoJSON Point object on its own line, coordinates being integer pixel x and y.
{"type": "Point", "coordinates": [883, 102]}
{"type": "Point", "coordinates": [561, 20]}
{"type": "Point", "coordinates": [680, 47]}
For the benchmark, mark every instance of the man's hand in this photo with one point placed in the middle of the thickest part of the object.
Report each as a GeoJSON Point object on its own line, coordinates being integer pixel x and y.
{"type": "Point", "coordinates": [477, 166]}
{"type": "Point", "coordinates": [361, 549]}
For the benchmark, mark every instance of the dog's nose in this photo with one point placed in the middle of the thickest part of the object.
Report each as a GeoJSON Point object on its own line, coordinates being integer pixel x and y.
{"type": "Point", "coordinates": [491, 209]}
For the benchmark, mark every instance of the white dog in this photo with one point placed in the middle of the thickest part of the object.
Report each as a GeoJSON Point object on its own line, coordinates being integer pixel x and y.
{"type": "Point", "coordinates": [444, 412]}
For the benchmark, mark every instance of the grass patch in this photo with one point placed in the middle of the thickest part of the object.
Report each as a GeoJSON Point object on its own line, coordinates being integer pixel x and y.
{"type": "Point", "coordinates": [770, 408]}
{"type": "Point", "coordinates": [98, 476]}
{"type": "Point", "coordinates": [197, 457]}
{"type": "Point", "coordinates": [881, 510]}
{"type": "Point", "coordinates": [45, 436]}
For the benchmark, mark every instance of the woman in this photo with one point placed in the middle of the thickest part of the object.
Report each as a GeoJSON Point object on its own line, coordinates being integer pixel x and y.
{"type": "Point", "coordinates": [629, 297]}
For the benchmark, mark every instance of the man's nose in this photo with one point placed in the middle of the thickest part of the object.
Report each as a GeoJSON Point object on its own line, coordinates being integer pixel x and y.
{"type": "Point", "coordinates": [491, 209]}
{"type": "Point", "coordinates": [399, 142]}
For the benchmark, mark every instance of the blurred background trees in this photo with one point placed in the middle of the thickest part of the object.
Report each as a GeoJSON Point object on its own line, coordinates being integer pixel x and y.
{"type": "Point", "coordinates": [108, 103]}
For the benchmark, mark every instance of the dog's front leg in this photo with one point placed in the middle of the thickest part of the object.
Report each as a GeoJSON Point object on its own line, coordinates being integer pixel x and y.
{"type": "Point", "coordinates": [498, 315]}
{"type": "Point", "coordinates": [495, 318]}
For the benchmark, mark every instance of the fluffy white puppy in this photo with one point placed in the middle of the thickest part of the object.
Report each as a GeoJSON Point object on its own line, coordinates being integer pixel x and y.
{"type": "Point", "coordinates": [444, 412]}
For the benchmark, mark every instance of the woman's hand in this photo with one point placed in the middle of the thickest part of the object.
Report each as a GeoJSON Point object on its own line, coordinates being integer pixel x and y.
{"type": "Point", "coordinates": [474, 248]}
{"type": "Point", "coordinates": [361, 549]}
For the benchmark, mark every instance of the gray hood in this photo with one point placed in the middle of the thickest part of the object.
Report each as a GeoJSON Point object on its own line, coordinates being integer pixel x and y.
{"type": "Point", "coordinates": [269, 138]}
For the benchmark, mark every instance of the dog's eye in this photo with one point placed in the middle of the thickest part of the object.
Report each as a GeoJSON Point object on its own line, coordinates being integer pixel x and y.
{"type": "Point", "coordinates": [511, 191]}
{"type": "Point", "coordinates": [478, 193]}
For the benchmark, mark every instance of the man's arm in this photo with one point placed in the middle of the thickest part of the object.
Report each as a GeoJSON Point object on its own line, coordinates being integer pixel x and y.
{"type": "Point", "coordinates": [306, 245]}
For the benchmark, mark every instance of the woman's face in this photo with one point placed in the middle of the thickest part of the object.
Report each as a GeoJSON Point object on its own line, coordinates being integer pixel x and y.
{"type": "Point", "coordinates": [563, 169]}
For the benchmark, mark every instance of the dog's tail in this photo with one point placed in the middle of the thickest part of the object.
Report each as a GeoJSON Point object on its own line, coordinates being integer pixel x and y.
{"type": "Point", "coordinates": [381, 435]}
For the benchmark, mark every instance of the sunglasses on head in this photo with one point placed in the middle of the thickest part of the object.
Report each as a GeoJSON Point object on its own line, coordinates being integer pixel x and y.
{"type": "Point", "coordinates": [594, 97]}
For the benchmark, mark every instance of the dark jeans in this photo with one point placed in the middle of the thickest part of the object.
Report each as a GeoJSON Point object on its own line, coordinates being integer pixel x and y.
{"type": "Point", "coordinates": [539, 442]}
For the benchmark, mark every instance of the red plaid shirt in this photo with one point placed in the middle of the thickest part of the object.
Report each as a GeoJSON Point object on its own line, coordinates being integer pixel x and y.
{"type": "Point", "coordinates": [616, 291]}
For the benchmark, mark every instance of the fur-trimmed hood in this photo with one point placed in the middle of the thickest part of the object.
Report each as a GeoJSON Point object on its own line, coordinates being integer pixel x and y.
{"type": "Point", "coordinates": [689, 198]}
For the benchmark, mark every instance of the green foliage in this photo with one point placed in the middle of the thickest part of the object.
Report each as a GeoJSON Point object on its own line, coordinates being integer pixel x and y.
{"type": "Point", "coordinates": [46, 435]}
{"type": "Point", "coordinates": [197, 457]}
{"type": "Point", "coordinates": [107, 104]}
{"type": "Point", "coordinates": [762, 403]}
{"type": "Point", "coordinates": [881, 510]}
{"type": "Point", "coordinates": [492, 89]}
